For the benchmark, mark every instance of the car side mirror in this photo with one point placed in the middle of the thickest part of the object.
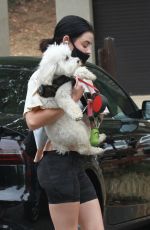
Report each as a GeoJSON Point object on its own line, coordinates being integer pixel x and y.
{"type": "Point", "coordinates": [146, 109]}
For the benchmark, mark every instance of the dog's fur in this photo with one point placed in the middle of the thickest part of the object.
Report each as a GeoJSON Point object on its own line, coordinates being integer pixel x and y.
{"type": "Point", "coordinates": [69, 132]}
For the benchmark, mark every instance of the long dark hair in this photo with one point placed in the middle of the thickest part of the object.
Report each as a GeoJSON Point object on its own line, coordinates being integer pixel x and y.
{"type": "Point", "coordinates": [70, 25]}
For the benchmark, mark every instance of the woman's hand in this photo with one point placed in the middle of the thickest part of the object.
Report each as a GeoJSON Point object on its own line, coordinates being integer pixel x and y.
{"type": "Point", "coordinates": [77, 91]}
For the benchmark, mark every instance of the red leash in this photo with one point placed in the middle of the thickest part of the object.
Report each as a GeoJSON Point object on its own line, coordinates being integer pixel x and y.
{"type": "Point", "coordinates": [88, 84]}
{"type": "Point", "coordinates": [95, 104]}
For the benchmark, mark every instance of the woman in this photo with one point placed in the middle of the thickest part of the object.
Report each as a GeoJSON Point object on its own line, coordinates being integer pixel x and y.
{"type": "Point", "coordinates": [71, 195]}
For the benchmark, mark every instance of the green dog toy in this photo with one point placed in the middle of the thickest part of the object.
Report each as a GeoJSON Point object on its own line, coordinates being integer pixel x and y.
{"type": "Point", "coordinates": [94, 137]}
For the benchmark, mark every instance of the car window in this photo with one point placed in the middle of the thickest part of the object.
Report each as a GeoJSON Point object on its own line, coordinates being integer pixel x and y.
{"type": "Point", "coordinates": [120, 105]}
{"type": "Point", "coordinates": [13, 85]}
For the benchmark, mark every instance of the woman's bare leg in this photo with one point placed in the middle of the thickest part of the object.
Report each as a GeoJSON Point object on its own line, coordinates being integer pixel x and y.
{"type": "Point", "coordinates": [65, 215]}
{"type": "Point", "coordinates": [90, 216]}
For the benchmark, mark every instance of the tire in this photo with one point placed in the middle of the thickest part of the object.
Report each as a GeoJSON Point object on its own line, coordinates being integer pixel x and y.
{"type": "Point", "coordinates": [31, 212]}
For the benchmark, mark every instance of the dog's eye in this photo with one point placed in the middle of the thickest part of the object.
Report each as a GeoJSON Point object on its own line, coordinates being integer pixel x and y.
{"type": "Point", "coordinates": [66, 59]}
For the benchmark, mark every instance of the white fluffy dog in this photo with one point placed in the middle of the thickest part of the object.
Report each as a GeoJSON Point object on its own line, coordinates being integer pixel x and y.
{"type": "Point", "coordinates": [69, 132]}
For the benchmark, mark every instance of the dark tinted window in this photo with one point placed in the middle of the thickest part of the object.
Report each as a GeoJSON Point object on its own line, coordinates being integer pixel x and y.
{"type": "Point", "coordinates": [120, 104]}
{"type": "Point", "coordinates": [13, 86]}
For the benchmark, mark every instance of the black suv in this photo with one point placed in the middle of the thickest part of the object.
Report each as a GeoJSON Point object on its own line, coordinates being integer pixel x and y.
{"type": "Point", "coordinates": [121, 176]}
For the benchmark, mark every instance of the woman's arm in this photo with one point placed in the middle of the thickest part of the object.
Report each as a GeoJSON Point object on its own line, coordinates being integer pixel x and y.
{"type": "Point", "coordinates": [40, 117]}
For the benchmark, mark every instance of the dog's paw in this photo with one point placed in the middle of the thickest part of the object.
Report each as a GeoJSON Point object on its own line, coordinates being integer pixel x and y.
{"type": "Point", "coordinates": [102, 137]}
{"type": "Point", "coordinates": [96, 151]}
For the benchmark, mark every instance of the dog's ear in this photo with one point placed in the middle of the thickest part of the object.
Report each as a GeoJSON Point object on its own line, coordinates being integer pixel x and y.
{"type": "Point", "coordinates": [46, 73]}
{"type": "Point", "coordinates": [48, 64]}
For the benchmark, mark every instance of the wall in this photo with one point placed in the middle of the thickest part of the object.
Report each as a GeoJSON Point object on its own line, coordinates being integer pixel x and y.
{"type": "Point", "coordinates": [81, 8]}
{"type": "Point", "coordinates": [4, 28]}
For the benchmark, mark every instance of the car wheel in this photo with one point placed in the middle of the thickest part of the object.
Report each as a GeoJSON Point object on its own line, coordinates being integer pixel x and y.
{"type": "Point", "coordinates": [31, 212]}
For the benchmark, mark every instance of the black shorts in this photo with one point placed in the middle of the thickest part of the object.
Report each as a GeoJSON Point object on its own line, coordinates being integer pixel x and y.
{"type": "Point", "coordinates": [64, 179]}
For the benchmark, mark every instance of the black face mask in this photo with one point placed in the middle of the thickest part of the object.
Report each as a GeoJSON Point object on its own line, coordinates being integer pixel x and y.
{"type": "Point", "coordinates": [78, 53]}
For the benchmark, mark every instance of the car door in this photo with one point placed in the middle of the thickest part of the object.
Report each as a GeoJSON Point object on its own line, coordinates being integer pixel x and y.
{"type": "Point", "coordinates": [126, 170]}
{"type": "Point", "coordinates": [125, 163]}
